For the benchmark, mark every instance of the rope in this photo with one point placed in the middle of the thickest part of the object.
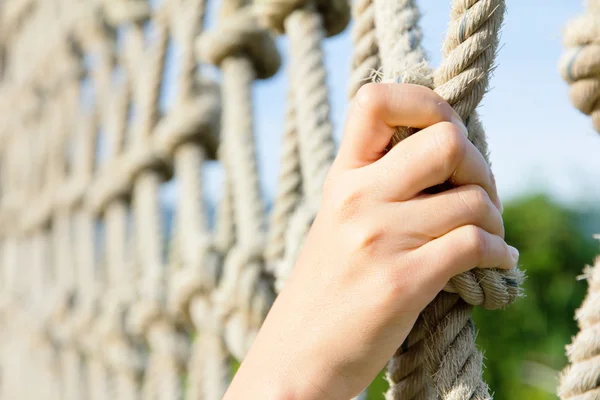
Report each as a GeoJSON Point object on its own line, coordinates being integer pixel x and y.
{"type": "Point", "coordinates": [309, 128]}
{"type": "Point", "coordinates": [581, 379]}
{"type": "Point", "coordinates": [579, 67]}
{"type": "Point", "coordinates": [365, 58]}
{"type": "Point", "coordinates": [452, 365]}
{"type": "Point", "coordinates": [288, 189]}
{"type": "Point", "coordinates": [580, 64]}
{"type": "Point", "coordinates": [403, 60]}
{"type": "Point", "coordinates": [244, 51]}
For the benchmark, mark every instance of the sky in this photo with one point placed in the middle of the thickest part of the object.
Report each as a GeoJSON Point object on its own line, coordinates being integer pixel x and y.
{"type": "Point", "coordinates": [538, 141]}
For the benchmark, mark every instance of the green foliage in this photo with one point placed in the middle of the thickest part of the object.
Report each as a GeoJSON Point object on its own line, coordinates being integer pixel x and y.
{"type": "Point", "coordinates": [378, 387]}
{"type": "Point", "coordinates": [524, 345]}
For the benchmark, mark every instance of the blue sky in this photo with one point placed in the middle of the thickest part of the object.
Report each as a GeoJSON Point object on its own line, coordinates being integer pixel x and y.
{"type": "Point", "coordinates": [538, 141]}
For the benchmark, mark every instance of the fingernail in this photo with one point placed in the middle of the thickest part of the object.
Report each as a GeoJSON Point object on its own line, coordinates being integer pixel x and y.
{"type": "Point", "coordinates": [514, 253]}
{"type": "Point", "coordinates": [457, 120]}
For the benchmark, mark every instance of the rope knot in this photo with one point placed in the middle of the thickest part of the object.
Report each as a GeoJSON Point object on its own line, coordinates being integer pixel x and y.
{"type": "Point", "coordinates": [335, 13]}
{"type": "Point", "coordinates": [111, 184]}
{"type": "Point", "coordinates": [490, 288]}
{"type": "Point", "coordinates": [580, 65]}
{"type": "Point", "coordinates": [122, 11]}
{"type": "Point", "coordinates": [145, 156]}
{"type": "Point", "coordinates": [241, 34]}
{"type": "Point", "coordinates": [244, 296]}
{"type": "Point", "coordinates": [191, 280]}
{"type": "Point", "coordinates": [165, 339]}
{"type": "Point", "coordinates": [194, 120]}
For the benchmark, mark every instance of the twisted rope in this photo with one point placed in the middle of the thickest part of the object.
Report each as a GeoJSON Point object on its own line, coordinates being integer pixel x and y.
{"type": "Point", "coordinates": [365, 58]}
{"type": "Point", "coordinates": [244, 51]}
{"type": "Point", "coordinates": [288, 189]}
{"type": "Point", "coordinates": [580, 65]}
{"type": "Point", "coordinates": [308, 143]}
{"type": "Point", "coordinates": [403, 60]}
{"type": "Point", "coordinates": [452, 365]}
{"type": "Point", "coordinates": [581, 379]}
{"type": "Point", "coordinates": [315, 134]}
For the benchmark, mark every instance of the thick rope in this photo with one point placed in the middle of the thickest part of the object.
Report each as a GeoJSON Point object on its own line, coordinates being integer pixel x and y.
{"type": "Point", "coordinates": [581, 379]}
{"type": "Point", "coordinates": [288, 189]}
{"type": "Point", "coordinates": [244, 51]}
{"type": "Point", "coordinates": [365, 58]}
{"type": "Point", "coordinates": [580, 65]}
{"type": "Point", "coordinates": [306, 28]}
{"type": "Point", "coordinates": [306, 32]}
{"type": "Point", "coordinates": [462, 79]}
{"type": "Point", "coordinates": [403, 60]}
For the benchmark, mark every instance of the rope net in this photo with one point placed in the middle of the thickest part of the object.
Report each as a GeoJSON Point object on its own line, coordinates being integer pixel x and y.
{"type": "Point", "coordinates": [93, 303]}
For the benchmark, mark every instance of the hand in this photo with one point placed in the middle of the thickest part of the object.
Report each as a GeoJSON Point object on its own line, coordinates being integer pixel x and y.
{"type": "Point", "coordinates": [379, 250]}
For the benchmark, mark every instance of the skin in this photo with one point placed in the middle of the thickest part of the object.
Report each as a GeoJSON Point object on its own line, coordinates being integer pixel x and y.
{"type": "Point", "coordinates": [379, 251]}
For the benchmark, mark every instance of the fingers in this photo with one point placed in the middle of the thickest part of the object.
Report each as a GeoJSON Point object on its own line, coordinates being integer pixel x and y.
{"type": "Point", "coordinates": [428, 158]}
{"type": "Point", "coordinates": [432, 216]}
{"type": "Point", "coordinates": [463, 249]}
{"type": "Point", "coordinates": [378, 109]}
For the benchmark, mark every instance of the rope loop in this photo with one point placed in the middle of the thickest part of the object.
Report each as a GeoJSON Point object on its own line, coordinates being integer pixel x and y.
{"type": "Point", "coordinates": [335, 13]}
{"type": "Point", "coordinates": [192, 280]}
{"type": "Point", "coordinates": [194, 120]}
{"type": "Point", "coordinates": [490, 288]}
{"type": "Point", "coordinates": [145, 156]}
{"type": "Point", "coordinates": [580, 65]}
{"type": "Point", "coordinates": [123, 11]}
{"type": "Point", "coordinates": [241, 33]}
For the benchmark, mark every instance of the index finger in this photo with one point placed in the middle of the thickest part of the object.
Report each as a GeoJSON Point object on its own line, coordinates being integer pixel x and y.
{"type": "Point", "coordinates": [378, 109]}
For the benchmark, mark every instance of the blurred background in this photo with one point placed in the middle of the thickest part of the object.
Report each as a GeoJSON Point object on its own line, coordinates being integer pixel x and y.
{"type": "Point", "coordinates": [545, 158]}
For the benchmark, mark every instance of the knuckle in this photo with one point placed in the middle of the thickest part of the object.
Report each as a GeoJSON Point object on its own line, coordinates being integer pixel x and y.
{"type": "Point", "coordinates": [364, 239]}
{"type": "Point", "coordinates": [368, 98]}
{"type": "Point", "coordinates": [476, 241]}
{"type": "Point", "coordinates": [451, 145]}
{"type": "Point", "coordinates": [476, 201]}
{"type": "Point", "coordinates": [343, 199]}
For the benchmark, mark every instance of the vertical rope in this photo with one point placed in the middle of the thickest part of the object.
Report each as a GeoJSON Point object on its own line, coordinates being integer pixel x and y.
{"type": "Point", "coordinates": [308, 142]}
{"type": "Point", "coordinates": [403, 60]}
{"type": "Point", "coordinates": [365, 59]}
{"type": "Point", "coordinates": [288, 188]}
{"type": "Point", "coordinates": [469, 50]}
{"type": "Point", "coordinates": [581, 378]}
{"type": "Point", "coordinates": [315, 134]}
{"type": "Point", "coordinates": [580, 64]}
{"type": "Point", "coordinates": [452, 365]}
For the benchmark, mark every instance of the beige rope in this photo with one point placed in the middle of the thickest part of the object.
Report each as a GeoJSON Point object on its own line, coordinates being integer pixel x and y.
{"type": "Point", "coordinates": [244, 51]}
{"type": "Point", "coordinates": [306, 28]}
{"type": "Point", "coordinates": [403, 60]}
{"type": "Point", "coordinates": [581, 379]}
{"type": "Point", "coordinates": [462, 79]}
{"type": "Point", "coordinates": [579, 67]}
{"type": "Point", "coordinates": [365, 58]}
{"type": "Point", "coordinates": [580, 64]}
{"type": "Point", "coordinates": [288, 189]}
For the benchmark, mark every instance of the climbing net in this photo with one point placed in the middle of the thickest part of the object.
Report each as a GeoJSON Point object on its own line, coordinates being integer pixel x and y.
{"type": "Point", "coordinates": [93, 304]}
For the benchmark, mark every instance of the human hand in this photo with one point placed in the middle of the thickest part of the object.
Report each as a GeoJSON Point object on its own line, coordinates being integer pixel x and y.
{"type": "Point", "coordinates": [380, 249]}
